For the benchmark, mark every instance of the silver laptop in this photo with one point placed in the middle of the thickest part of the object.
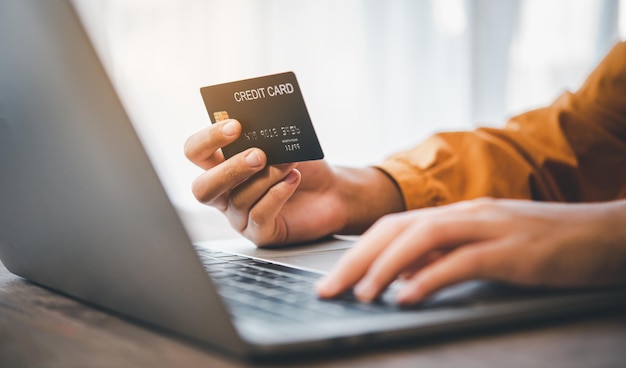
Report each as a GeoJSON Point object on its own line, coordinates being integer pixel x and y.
{"type": "Point", "coordinates": [82, 212]}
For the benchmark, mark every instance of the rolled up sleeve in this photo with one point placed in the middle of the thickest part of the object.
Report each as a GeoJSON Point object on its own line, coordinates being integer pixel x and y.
{"type": "Point", "coordinates": [571, 151]}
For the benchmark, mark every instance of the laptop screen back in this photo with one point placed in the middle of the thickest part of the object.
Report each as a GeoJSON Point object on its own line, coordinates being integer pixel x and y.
{"type": "Point", "coordinates": [82, 210]}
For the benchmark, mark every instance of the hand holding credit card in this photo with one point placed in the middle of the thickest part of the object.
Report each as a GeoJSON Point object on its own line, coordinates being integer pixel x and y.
{"type": "Point", "coordinates": [272, 114]}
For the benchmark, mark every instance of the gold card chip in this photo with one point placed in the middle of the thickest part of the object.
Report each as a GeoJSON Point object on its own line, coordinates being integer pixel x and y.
{"type": "Point", "coordinates": [220, 115]}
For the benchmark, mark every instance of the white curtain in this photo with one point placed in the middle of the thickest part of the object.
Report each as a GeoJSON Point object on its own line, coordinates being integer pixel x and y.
{"type": "Point", "coordinates": [377, 76]}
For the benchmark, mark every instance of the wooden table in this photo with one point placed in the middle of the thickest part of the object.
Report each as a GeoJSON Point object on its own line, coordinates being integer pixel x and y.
{"type": "Point", "coordinates": [40, 328]}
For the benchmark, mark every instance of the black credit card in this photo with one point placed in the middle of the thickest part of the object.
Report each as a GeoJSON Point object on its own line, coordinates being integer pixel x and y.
{"type": "Point", "coordinates": [273, 116]}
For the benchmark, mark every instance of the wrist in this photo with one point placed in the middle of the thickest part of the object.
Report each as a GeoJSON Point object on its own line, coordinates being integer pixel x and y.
{"type": "Point", "coordinates": [366, 194]}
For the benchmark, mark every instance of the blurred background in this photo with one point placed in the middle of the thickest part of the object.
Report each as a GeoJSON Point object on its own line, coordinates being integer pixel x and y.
{"type": "Point", "coordinates": [377, 76]}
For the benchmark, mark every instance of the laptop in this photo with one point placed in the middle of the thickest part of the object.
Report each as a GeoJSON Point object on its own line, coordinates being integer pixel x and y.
{"type": "Point", "coordinates": [83, 213]}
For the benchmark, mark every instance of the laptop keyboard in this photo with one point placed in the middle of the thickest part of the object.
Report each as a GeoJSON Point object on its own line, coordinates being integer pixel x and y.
{"type": "Point", "coordinates": [255, 289]}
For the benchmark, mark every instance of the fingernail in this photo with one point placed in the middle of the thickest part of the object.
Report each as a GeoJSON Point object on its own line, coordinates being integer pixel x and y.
{"type": "Point", "coordinates": [253, 159]}
{"type": "Point", "coordinates": [406, 296]}
{"type": "Point", "coordinates": [324, 286]}
{"type": "Point", "coordinates": [365, 291]}
{"type": "Point", "coordinates": [230, 128]}
{"type": "Point", "coordinates": [402, 297]}
{"type": "Point", "coordinates": [292, 177]}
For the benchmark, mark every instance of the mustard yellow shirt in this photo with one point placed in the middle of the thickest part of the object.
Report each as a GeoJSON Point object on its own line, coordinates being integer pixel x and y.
{"type": "Point", "coordinates": [571, 151]}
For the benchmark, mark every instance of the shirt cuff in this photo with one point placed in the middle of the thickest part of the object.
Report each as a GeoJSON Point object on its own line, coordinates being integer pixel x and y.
{"type": "Point", "coordinates": [418, 189]}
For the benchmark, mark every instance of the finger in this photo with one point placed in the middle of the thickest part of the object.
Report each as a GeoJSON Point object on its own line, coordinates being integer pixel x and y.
{"type": "Point", "coordinates": [246, 195]}
{"type": "Point", "coordinates": [422, 262]}
{"type": "Point", "coordinates": [413, 244]}
{"type": "Point", "coordinates": [466, 263]}
{"type": "Point", "coordinates": [263, 227]}
{"type": "Point", "coordinates": [213, 183]}
{"type": "Point", "coordinates": [203, 147]}
{"type": "Point", "coordinates": [356, 261]}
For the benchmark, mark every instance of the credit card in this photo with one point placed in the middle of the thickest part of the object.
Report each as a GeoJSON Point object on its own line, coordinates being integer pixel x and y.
{"type": "Point", "coordinates": [273, 116]}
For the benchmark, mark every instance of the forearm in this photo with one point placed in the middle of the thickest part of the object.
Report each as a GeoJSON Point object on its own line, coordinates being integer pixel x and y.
{"type": "Point", "coordinates": [612, 233]}
{"type": "Point", "coordinates": [367, 194]}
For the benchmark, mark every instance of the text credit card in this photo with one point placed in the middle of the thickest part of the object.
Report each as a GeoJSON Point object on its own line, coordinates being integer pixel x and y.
{"type": "Point", "coordinates": [273, 116]}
